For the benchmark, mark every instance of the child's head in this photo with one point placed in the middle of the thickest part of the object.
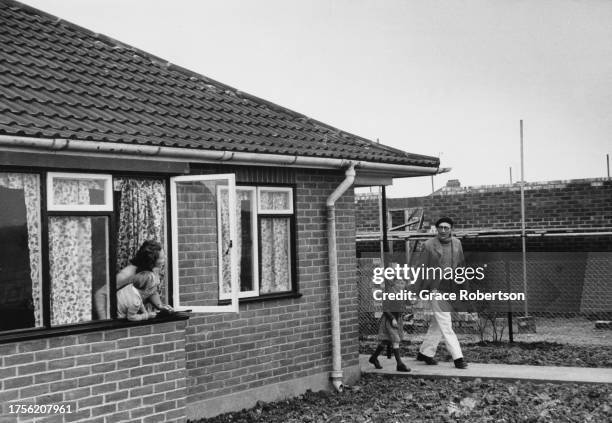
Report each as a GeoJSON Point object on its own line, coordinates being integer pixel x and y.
{"type": "Point", "coordinates": [145, 282]}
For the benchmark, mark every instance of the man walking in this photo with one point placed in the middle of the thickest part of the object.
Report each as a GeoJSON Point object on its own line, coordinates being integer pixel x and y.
{"type": "Point", "coordinates": [444, 251]}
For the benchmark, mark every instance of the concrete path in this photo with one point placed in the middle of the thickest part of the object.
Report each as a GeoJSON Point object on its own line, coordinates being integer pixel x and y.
{"type": "Point", "coordinates": [491, 371]}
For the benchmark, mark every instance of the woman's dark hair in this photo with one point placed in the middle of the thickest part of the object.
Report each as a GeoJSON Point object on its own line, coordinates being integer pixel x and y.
{"type": "Point", "coordinates": [146, 256]}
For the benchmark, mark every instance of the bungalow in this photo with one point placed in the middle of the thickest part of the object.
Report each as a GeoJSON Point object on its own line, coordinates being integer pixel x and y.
{"type": "Point", "coordinates": [103, 146]}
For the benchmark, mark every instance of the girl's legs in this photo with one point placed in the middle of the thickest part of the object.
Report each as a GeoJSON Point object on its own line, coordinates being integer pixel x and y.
{"type": "Point", "coordinates": [401, 367]}
{"type": "Point", "coordinates": [374, 357]}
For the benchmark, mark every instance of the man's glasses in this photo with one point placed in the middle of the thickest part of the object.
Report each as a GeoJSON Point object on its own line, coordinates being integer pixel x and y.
{"type": "Point", "coordinates": [444, 228]}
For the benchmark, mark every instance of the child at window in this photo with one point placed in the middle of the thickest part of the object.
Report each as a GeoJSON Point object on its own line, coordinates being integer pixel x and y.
{"type": "Point", "coordinates": [130, 298]}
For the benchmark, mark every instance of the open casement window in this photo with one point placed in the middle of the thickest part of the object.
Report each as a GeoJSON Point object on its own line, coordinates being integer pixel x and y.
{"type": "Point", "coordinates": [264, 228]}
{"type": "Point", "coordinates": [245, 243]}
{"type": "Point", "coordinates": [198, 255]}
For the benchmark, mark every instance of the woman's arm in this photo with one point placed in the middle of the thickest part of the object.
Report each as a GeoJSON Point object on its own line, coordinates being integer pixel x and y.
{"type": "Point", "coordinates": [137, 311]}
{"type": "Point", "coordinates": [100, 300]}
{"type": "Point", "coordinates": [124, 277]}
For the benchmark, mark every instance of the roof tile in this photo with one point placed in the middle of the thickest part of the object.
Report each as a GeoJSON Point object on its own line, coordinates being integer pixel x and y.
{"type": "Point", "coordinates": [60, 80]}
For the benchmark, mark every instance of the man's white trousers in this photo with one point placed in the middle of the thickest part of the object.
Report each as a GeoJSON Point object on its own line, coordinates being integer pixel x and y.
{"type": "Point", "coordinates": [440, 326]}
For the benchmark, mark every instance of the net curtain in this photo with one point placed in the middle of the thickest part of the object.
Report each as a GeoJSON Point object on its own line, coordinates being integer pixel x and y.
{"type": "Point", "coordinates": [275, 247]}
{"type": "Point", "coordinates": [70, 256]}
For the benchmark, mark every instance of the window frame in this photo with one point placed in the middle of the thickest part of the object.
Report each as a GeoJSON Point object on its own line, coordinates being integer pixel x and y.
{"type": "Point", "coordinates": [272, 188]}
{"type": "Point", "coordinates": [227, 306]}
{"type": "Point", "coordinates": [108, 205]}
{"type": "Point", "coordinates": [79, 211]}
{"type": "Point", "coordinates": [254, 250]}
{"type": "Point", "coordinates": [48, 331]}
{"type": "Point", "coordinates": [293, 292]}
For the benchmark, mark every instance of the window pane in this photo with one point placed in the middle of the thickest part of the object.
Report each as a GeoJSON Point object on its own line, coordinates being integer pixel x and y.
{"type": "Point", "coordinates": [198, 249]}
{"type": "Point", "coordinates": [245, 202]}
{"type": "Point", "coordinates": [78, 260]}
{"type": "Point", "coordinates": [74, 191]}
{"type": "Point", "coordinates": [142, 216]}
{"type": "Point", "coordinates": [274, 200]}
{"type": "Point", "coordinates": [275, 240]}
{"type": "Point", "coordinates": [20, 273]}
{"type": "Point", "coordinates": [79, 192]}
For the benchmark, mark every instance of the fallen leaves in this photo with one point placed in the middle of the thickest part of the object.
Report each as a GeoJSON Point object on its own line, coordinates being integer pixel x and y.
{"type": "Point", "coordinates": [378, 399]}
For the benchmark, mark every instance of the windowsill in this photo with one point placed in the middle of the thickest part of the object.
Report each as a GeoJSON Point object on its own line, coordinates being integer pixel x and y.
{"type": "Point", "coordinates": [266, 297]}
{"type": "Point", "coordinates": [31, 334]}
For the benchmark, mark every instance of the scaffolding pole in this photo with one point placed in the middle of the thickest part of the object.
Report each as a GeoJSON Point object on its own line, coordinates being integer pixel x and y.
{"type": "Point", "coordinates": [523, 236]}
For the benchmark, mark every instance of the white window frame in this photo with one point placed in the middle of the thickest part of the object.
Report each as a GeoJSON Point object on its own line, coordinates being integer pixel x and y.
{"type": "Point", "coordinates": [275, 189]}
{"type": "Point", "coordinates": [108, 192]}
{"type": "Point", "coordinates": [231, 183]}
{"type": "Point", "coordinates": [254, 252]}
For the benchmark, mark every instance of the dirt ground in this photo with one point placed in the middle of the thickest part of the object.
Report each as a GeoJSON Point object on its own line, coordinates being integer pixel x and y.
{"type": "Point", "coordinates": [378, 399]}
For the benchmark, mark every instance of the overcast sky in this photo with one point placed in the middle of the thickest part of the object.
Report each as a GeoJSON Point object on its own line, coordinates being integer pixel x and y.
{"type": "Point", "coordinates": [450, 77]}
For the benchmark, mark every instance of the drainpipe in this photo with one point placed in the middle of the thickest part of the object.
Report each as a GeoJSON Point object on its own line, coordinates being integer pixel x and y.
{"type": "Point", "coordinates": [336, 374]}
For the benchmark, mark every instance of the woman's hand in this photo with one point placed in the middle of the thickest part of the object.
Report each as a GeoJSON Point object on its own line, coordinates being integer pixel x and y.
{"type": "Point", "coordinates": [394, 323]}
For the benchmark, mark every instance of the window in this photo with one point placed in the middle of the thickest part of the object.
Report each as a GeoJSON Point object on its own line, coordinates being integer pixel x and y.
{"type": "Point", "coordinates": [264, 226]}
{"type": "Point", "coordinates": [246, 242]}
{"type": "Point", "coordinates": [79, 208]}
{"type": "Point", "coordinates": [60, 247]}
{"type": "Point", "coordinates": [77, 250]}
{"type": "Point", "coordinates": [197, 204]}
{"type": "Point", "coordinates": [79, 192]}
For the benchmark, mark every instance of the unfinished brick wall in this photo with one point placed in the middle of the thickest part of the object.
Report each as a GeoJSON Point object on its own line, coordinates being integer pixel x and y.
{"type": "Point", "coordinates": [135, 374]}
{"type": "Point", "coordinates": [367, 212]}
{"type": "Point", "coordinates": [577, 203]}
{"type": "Point", "coordinates": [272, 341]}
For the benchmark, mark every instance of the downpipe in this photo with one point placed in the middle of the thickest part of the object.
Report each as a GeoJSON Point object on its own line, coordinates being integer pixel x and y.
{"type": "Point", "coordinates": [336, 373]}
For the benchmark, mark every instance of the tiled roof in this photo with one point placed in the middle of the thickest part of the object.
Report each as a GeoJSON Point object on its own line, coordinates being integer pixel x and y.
{"type": "Point", "coordinates": [58, 80]}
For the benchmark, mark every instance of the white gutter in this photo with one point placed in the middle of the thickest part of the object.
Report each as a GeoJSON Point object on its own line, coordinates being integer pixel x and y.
{"type": "Point", "coordinates": [336, 374]}
{"type": "Point", "coordinates": [114, 149]}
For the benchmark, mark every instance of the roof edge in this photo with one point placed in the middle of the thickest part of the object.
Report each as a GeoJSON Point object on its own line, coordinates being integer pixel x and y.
{"type": "Point", "coordinates": [70, 146]}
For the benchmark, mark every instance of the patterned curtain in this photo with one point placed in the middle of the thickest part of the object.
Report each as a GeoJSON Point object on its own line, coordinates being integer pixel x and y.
{"type": "Point", "coordinates": [74, 191]}
{"type": "Point", "coordinates": [31, 189]}
{"type": "Point", "coordinates": [275, 250]}
{"type": "Point", "coordinates": [270, 200]}
{"type": "Point", "coordinates": [141, 217]}
{"type": "Point", "coordinates": [70, 256]}
{"type": "Point", "coordinates": [70, 260]}
{"type": "Point", "coordinates": [226, 286]}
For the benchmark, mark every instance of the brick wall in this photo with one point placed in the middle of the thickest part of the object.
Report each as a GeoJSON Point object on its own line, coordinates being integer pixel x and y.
{"type": "Point", "coordinates": [577, 203]}
{"type": "Point", "coordinates": [135, 374]}
{"type": "Point", "coordinates": [197, 243]}
{"type": "Point", "coordinates": [273, 341]}
{"type": "Point", "coordinates": [367, 212]}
